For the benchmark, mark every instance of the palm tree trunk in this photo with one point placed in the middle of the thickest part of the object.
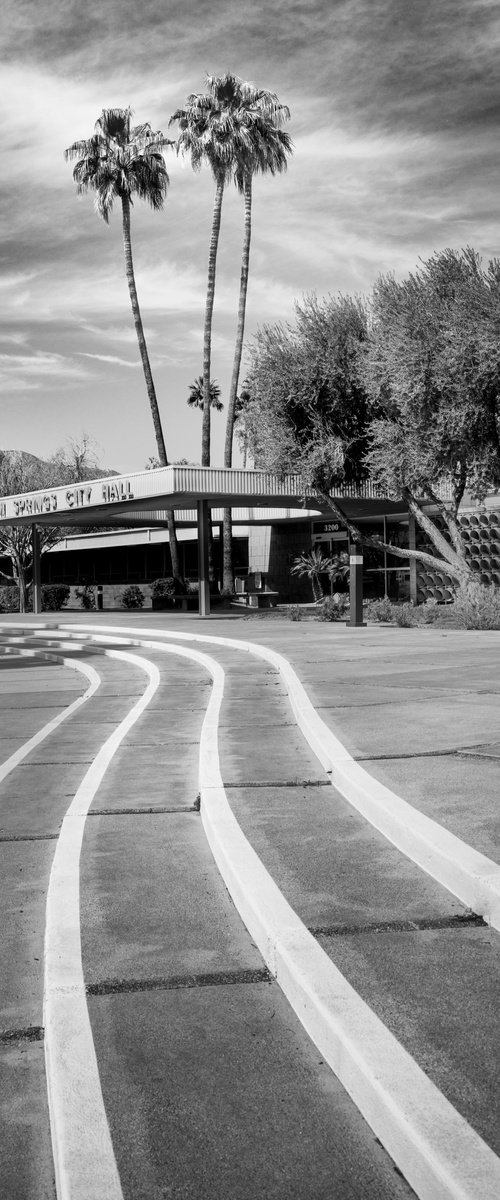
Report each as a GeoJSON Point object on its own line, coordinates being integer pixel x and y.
{"type": "Point", "coordinates": [20, 577]}
{"type": "Point", "coordinates": [174, 547]}
{"type": "Point", "coordinates": [129, 266]}
{"type": "Point", "coordinates": [143, 350]}
{"type": "Point", "coordinates": [207, 332]}
{"type": "Point", "coordinates": [228, 575]}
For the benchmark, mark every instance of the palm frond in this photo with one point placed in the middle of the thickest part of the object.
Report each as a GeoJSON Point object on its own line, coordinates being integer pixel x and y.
{"type": "Point", "coordinates": [120, 161]}
{"type": "Point", "coordinates": [195, 398]}
{"type": "Point", "coordinates": [234, 127]}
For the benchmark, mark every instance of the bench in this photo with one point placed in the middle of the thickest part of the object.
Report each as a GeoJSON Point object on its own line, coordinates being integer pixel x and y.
{"type": "Point", "coordinates": [254, 592]}
{"type": "Point", "coordinates": [261, 599]}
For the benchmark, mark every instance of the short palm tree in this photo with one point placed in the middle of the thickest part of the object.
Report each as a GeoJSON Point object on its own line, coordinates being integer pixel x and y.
{"type": "Point", "coordinates": [338, 568]}
{"type": "Point", "coordinates": [121, 161]}
{"type": "Point", "coordinates": [312, 563]}
{"type": "Point", "coordinates": [195, 398]}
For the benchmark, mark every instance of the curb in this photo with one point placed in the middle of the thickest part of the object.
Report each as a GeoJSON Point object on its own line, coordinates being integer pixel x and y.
{"type": "Point", "coordinates": [435, 1148]}
{"type": "Point", "coordinates": [466, 873]}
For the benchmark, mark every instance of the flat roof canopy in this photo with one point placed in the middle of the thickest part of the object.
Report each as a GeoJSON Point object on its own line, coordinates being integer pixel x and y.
{"type": "Point", "coordinates": [144, 497]}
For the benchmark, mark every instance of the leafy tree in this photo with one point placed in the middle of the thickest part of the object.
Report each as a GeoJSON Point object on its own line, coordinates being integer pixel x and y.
{"type": "Point", "coordinates": [77, 460]}
{"type": "Point", "coordinates": [195, 398]}
{"type": "Point", "coordinates": [21, 472]}
{"type": "Point", "coordinates": [239, 421]}
{"type": "Point", "coordinates": [306, 406]}
{"type": "Point", "coordinates": [433, 372]}
{"type": "Point", "coordinates": [405, 395]}
{"type": "Point", "coordinates": [121, 161]}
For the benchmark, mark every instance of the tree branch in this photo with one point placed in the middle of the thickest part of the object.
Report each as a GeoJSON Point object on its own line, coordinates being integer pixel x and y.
{"type": "Point", "coordinates": [449, 518]}
{"type": "Point", "coordinates": [429, 560]}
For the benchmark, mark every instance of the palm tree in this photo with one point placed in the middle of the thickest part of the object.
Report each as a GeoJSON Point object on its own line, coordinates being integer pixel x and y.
{"type": "Point", "coordinates": [338, 568]}
{"type": "Point", "coordinates": [266, 154]}
{"type": "Point", "coordinates": [213, 129]}
{"type": "Point", "coordinates": [312, 563]}
{"type": "Point", "coordinates": [195, 398]}
{"type": "Point", "coordinates": [120, 161]}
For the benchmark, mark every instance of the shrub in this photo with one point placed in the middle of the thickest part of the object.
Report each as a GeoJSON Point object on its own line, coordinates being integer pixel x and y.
{"type": "Point", "coordinates": [429, 610]}
{"type": "Point", "coordinates": [333, 608]}
{"type": "Point", "coordinates": [9, 598]}
{"type": "Point", "coordinates": [380, 610]}
{"type": "Point", "coordinates": [405, 615]}
{"type": "Point", "coordinates": [133, 597]}
{"type": "Point", "coordinates": [54, 596]}
{"type": "Point", "coordinates": [86, 596]}
{"type": "Point", "coordinates": [477, 606]}
{"type": "Point", "coordinates": [163, 587]}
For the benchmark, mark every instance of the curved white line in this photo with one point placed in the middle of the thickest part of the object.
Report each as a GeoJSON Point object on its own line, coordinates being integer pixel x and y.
{"type": "Point", "coordinates": [471, 876]}
{"type": "Point", "coordinates": [436, 1149]}
{"type": "Point", "coordinates": [439, 1153]}
{"type": "Point", "coordinates": [84, 1160]}
{"type": "Point", "coordinates": [22, 751]}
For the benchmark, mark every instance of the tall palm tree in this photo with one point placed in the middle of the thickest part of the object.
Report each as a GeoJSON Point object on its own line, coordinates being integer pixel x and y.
{"type": "Point", "coordinates": [195, 398]}
{"type": "Point", "coordinates": [213, 129]}
{"type": "Point", "coordinates": [266, 154]}
{"type": "Point", "coordinates": [120, 161]}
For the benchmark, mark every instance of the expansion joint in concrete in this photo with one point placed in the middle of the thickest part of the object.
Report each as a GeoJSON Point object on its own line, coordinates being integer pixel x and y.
{"type": "Point", "coordinates": [32, 1033]}
{"type": "Point", "coordinates": [464, 920]}
{"type": "Point", "coordinates": [29, 837]}
{"type": "Point", "coordinates": [112, 987]}
{"type": "Point", "coordinates": [141, 812]}
{"type": "Point", "coordinates": [278, 783]}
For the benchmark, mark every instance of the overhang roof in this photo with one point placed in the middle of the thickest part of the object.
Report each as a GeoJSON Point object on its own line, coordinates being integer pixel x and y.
{"type": "Point", "coordinates": [143, 498]}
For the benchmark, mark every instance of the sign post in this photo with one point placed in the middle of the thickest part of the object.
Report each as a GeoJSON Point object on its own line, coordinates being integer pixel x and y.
{"type": "Point", "coordinates": [355, 585]}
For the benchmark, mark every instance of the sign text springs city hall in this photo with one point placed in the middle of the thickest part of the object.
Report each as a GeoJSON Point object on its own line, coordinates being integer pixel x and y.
{"type": "Point", "coordinates": [77, 497]}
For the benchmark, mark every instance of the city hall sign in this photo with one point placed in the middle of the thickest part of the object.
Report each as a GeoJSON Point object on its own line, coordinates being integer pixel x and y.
{"type": "Point", "coordinates": [66, 500]}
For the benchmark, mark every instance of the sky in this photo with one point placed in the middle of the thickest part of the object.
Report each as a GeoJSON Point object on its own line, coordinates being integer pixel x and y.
{"type": "Point", "coordinates": [394, 119]}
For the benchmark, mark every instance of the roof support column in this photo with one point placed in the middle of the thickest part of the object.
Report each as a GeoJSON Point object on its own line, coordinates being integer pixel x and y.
{"type": "Point", "coordinates": [37, 573]}
{"type": "Point", "coordinates": [203, 574]}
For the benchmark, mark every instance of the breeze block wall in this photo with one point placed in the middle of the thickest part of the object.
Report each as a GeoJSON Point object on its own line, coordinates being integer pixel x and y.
{"type": "Point", "coordinates": [481, 532]}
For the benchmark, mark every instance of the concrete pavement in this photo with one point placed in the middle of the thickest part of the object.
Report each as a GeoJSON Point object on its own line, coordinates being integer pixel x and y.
{"type": "Point", "coordinates": [392, 930]}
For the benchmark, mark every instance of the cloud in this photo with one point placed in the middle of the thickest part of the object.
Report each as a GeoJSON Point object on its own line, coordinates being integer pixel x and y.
{"type": "Point", "coordinates": [110, 358]}
{"type": "Point", "coordinates": [394, 118]}
{"type": "Point", "coordinates": [19, 372]}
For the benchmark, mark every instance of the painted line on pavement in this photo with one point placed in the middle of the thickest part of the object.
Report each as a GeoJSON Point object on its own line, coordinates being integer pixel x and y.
{"type": "Point", "coordinates": [85, 1165]}
{"type": "Point", "coordinates": [22, 751]}
{"type": "Point", "coordinates": [436, 1149]}
{"type": "Point", "coordinates": [466, 873]}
